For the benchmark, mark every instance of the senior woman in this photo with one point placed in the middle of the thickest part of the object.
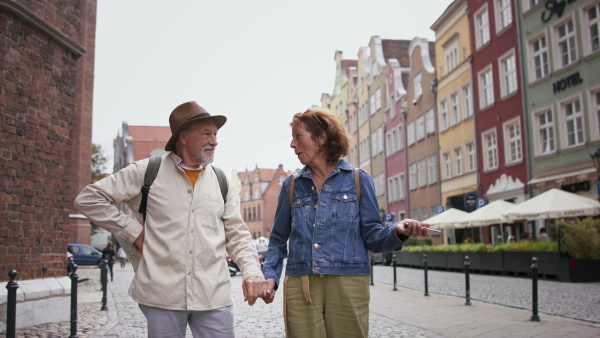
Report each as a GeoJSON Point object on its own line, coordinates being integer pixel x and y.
{"type": "Point", "coordinates": [329, 214]}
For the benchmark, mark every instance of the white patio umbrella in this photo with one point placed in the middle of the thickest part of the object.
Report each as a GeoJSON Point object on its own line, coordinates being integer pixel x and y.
{"type": "Point", "coordinates": [554, 203]}
{"type": "Point", "coordinates": [446, 219]}
{"type": "Point", "coordinates": [486, 215]}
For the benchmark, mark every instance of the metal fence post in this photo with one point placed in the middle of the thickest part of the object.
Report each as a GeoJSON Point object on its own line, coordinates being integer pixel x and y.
{"type": "Point", "coordinates": [11, 305]}
{"type": "Point", "coordinates": [372, 270]}
{"type": "Point", "coordinates": [74, 278]}
{"type": "Point", "coordinates": [534, 289]}
{"type": "Point", "coordinates": [394, 265]}
{"type": "Point", "coordinates": [426, 280]}
{"type": "Point", "coordinates": [104, 281]}
{"type": "Point", "coordinates": [467, 281]}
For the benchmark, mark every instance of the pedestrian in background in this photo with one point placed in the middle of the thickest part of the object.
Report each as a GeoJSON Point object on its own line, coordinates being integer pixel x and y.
{"type": "Point", "coordinates": [331, 219]}
{"type": "Point", "coordinates": [108, 253]}
{"type": "Point", "coordinates": [122, 257]}
{"type": "Point", "coordinates": [543, 236]}
{"type": "Point", "coordinates": [182, 277]}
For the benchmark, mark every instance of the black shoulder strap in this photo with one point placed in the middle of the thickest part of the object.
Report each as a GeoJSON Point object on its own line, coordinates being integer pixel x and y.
{"type": "Point", "coordinates": [222, 182]}
{"type": "Point", "coordinates": [149, 176]}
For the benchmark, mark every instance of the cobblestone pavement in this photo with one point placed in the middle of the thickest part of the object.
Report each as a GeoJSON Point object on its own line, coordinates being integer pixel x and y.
{"type": "Point", "coordinates": [124, 319]}
{"type": "Point", "coordinates": [570, 300]}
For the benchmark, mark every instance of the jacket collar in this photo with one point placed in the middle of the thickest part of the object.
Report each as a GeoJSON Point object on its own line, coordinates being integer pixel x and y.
{"type": "Point", "coordinates": [342, 165]}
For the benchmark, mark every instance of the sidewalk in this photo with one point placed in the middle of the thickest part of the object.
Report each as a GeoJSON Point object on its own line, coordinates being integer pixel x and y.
{"type": "Point", "coordinates": [402, 313]}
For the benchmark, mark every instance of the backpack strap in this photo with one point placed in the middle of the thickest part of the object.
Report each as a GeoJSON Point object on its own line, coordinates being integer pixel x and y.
{"type": "Point", "coordinates": [222, 182]}
{"type": "Point", "coordinates": [356, 184]}
{"type": "Point", "coordinates": [149, 176]}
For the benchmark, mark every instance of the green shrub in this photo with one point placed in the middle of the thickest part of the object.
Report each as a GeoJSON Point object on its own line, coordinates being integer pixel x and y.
{"type": "Point", "coordinates": [415, 241]}
{"type": "Point", "coordinates": [480, 247]}
{"type": "Point", "coordinates": [581, 238]}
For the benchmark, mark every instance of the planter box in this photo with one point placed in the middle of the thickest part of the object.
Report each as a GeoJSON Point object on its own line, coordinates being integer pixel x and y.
{"type": "Point", "coordinates": [456, 261]}
{"type": "Point", "coordinates": [413, 259]}
{"type": "Point", "coordinates": [517, 263]}
{"type": "Point", "coordinates": [474, 260]}
{"type": "Point", "coordinates": [584, 270]}
{"type": "Point", "coordinates": [437, 260]}
{"type": "Point", "coordinates": [549, 265]}
{"type": "Point", "coordinates": [492, 262]}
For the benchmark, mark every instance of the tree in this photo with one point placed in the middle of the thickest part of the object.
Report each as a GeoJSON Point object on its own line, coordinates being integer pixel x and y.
{"type": "Point", "coordinates": [99, 161]}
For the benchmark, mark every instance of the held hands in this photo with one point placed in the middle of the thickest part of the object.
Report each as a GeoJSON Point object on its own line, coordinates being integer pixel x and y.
{"type": "Point", "coordinates": [257, 287]}
{"type": "Point", "coordinates": [411, 228]}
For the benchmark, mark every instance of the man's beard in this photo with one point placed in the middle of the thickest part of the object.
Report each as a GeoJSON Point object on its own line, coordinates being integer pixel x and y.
{"type": "Point", "coordinates": [205, 158]}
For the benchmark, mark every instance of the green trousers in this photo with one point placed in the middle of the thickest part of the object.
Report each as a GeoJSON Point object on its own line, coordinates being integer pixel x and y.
{"type": "Point", "coordinates": [339, 308]}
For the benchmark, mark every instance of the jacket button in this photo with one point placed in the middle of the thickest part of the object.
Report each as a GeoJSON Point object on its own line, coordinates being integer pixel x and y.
{"type": "Point", "coordinates": [189, 273]}
{"type": "Point", "coordinates": [312, 188]}
{"type": "Point", "coordinates": [192, 231]}
{"type": "Point", "coordinates": [315, 206]}
{"type": "Point", "coordinates": [189, 191]}
{"type": "Point", "coordinates": [316, 245]}
{"type": "Point", "coordinates": [190, 251]}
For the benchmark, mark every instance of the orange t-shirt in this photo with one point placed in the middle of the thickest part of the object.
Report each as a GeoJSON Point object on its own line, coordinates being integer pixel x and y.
{"type": "Point", "coordinates": [192, 175]}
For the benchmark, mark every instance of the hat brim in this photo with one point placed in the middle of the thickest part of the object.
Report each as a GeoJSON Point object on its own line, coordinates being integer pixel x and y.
{"type": "Point", "coordinates": [219, 121]}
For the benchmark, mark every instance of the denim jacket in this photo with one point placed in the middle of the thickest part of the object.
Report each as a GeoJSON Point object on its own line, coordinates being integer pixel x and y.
{"type": "Point", "coordinates": [330, 232]}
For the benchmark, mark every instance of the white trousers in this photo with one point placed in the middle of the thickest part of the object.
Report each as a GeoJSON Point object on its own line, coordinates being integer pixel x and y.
{"type": "Point", "coordinates": [163, 323]}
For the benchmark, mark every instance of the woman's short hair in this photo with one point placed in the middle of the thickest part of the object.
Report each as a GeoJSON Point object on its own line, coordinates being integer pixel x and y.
{"type": "Point", "coordinates": [320, 121]}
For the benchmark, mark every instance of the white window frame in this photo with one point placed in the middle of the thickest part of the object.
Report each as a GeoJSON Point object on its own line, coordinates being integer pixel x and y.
{"type": "Point", "coordinates": [451, 54]}
{"type": "Point", "coordinates": [422, 167]}
{"type": "Point", "coordinates": [444, 114]}
{"type": "Point", "coordinates": [401, 187]}
{"type": "Point", "coordinates": [418, 86]}
{"type": "Point", "coordinates": [410, 133]}
{"type": "Point", "coordinates": [392, 105]}
{"type": "Point", "coordinates": [594, 109]}
{"type": "Point", "coordinates": [538, 59]}
{"type": "Point", "coordinates": [490, 149]}
{"type": "Point", "coordinates": [412, 176]}
{"type": "Point", "coordinates": [432, 164]}
{"type": "Point", "coordinates": [372, 104]}
{"type": "Point", "coordinates": [569, 40]}
{"type": "Point", "coordinates": [471, 152]}
{"type": "Point", "coordinates": [458, 161]}
{"type": "Point", "coordinates": [447, 164]}
{"type": "Point", "coordinates": [482, 27]}
{"type": "Point", "coordinates": [486, 87]}
{"type": "Point", "coordinates": [513, 142]}
{"type": "Point", "coordinates": [420, 127]}
{"type": "Point", "coordinates": [507, 66]}
{"type": "Point", "coordinates": [503, 10]}
{"type": "Point", "coordinates": [546, 130]}
{"type": "Point", "coordinates": [430, 122]}
{"type": "Point", "coordinates": [591, 40]}
{"type": "Point", "coordinates": [467, 100]}
{"type": "Point", "coordinates": [378, 99]}
{"type": "Point", "coordinates": [400, 136]}
{"type": "Point", "coordinates": [530, 4]}
{"type": "Point", "coordinates": [454, 109]}
{"type": "Point", "coordinates": [577, 119]}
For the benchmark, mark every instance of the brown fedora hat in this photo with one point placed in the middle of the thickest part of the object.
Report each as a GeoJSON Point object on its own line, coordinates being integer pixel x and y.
{"type": "Point", "coordinates": [186, 114]}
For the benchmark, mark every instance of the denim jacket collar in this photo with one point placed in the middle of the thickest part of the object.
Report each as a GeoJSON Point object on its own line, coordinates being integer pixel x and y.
{"type": "Point", "coordinates": [341, 165]}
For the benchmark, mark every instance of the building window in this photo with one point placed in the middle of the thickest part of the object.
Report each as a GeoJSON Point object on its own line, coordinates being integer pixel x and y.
{"type": "Point", "coordinates": [414, 213]}
{"type": "Point", "coordinates": [392, 189]}
{"type": "Point", "coordinates": [458, 161]}
{"type": "Point", "coordinates": [422, 172]}
{"type": "Point", "coordinates": [486, 88]}
{"type": "Point", "coordinates": [412, 176]}
{"type": "Point", "coordinates": [424, 213]}
{"type": "Point", "coordinates": [530, 4]}
{"type": "Point", "coordinates": [418, 86]}
{"type": "Point", "coordinates": [259, 213]}
{"type": "Point", "coordinates": [573, 118]}
{"type": "Point", "coordinates": [545, 132]}
{"type": "Point", "coordinates": [567, 50]}
{"type": "Point", "coordinates": [467, 101]}
{"type": "Point", "coordinates": [375, 69]}
{"type": "Point", "coordinates": [411, 133]}
{"type": "Point", "coordinates": [430, 122]}
{"type": "Point", "coordinates": [364, 151]}
{"type": "Point", "coordinates": [400, 137]}
{"type": "Point", "coordinates": [508, 74]}
{"type": "Point", "coordinates": [380, 184]}
{"type": "Point", "coordinates": [390, 145]}
{"type": "Point", "coordinates": [451, 53]}
{"type": "Point", "coordinates": [431, 162]}
{"type": "Point", "coordinates": [490, 150]}
{"type": "Point", "coordinates": [420, 128]}
{"type": "Point", "coordinates": [377, 99]}
{"type": "Point", "coordinates": [444, 114]}
{"type": "Point", "coordinates": [482, 27]}
{"type": "Point", "coordinates": [447, 163]}
{"type": "Point", "coordinates": [503, 14]}
{"type": "Point", "coordinates": [595, 108]}
{"type": "Point", "coordinates": [539, 54]}
{"type": "Point", "coordinates": [392, 104]}
{"type": "Point", "coordinates": [401, 187]}
{"type": "Point", "coordinates": [471, 157]}
{"type": "Point", "coordinates": [372, 104]}
{"type": "Point", "coordinates": [591, 32]}
{"type": "Point", "coordinates": [455, 112]}
{"type": "Point", "coordinates": [512, 139]}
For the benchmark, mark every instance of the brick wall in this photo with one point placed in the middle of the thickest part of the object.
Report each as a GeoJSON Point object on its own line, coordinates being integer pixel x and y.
{"type": "Point", "coordinates": [45, 97]}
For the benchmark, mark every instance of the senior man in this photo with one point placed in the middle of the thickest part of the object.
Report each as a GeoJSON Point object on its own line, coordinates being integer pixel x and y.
{"type": "Point", "coordinates": [182, 277]}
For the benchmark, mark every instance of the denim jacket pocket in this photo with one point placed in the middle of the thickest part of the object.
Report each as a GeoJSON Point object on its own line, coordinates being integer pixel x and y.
{"type": "Point", "coordinates": [344, 205]}
{"type": "Point", "coordinates": [300, 214]}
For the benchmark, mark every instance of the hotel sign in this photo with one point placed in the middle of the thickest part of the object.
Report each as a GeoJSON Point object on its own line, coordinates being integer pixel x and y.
{"type": "Point", "coordinates": [555, 7]}
{"type": "Point", "coordinates": [567, 82]}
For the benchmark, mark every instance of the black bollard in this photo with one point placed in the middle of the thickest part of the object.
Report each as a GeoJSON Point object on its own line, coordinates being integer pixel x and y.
{"type": "Point", "coordinates": [372, 270]}
{"type": "Point", "coordinates": [11, 305]}
{"type": "Point", "coordinates": [394, 265]}
{"type": "Point", "coordinates": [534, 288]}
{"type": "Point", "coordinates": [74, 278]}
{"type": "Point", "coordinates": [425, 269]}
{"type": "Point", "coordinates": [467, 281]}
{"type": "Point", "coordinates": [104, 281]}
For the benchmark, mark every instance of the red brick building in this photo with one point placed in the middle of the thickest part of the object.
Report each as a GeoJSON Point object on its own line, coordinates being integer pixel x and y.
{"type": "Point", "coordinates": [47, 53]}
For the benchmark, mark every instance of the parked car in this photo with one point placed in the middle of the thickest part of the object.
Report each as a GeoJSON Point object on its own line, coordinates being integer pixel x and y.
{"type": "Point", "coordinates": [84, 254]}
{"type": "Point", "coordinates": [70, 263]}
{"type": "Point", "coordinates": [233, 267]}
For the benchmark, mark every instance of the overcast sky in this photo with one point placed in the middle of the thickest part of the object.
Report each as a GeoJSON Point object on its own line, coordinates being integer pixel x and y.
{"type": "Point", "coordinates": [256, 62]}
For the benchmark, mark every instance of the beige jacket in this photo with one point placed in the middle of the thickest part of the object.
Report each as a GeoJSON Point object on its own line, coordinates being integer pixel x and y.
{"type": "Point", "coordinates": [183, 264]}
